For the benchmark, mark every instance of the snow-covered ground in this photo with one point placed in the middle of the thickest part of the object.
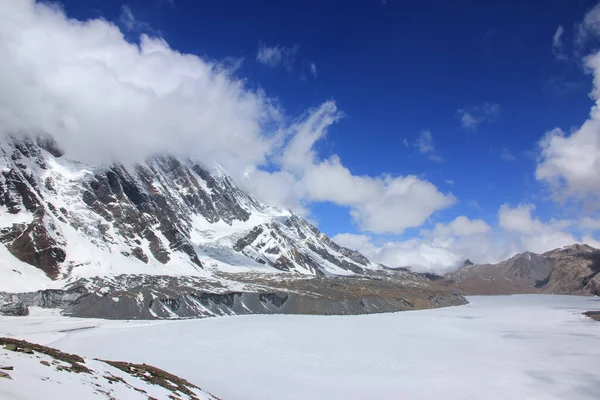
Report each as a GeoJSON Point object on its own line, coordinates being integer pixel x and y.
{"type": "Point", "coordinates": [498, 347]}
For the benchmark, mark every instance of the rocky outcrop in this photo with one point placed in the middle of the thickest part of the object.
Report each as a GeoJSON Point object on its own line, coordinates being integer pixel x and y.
{"type": "Point", "coordinates": [90, 378]}
{"type": "Point", "coordinates": [11, 305]}
{"type": "Point", "coordinates": [574, 273]}
{"type": "Point", "coordinates": [569, 270]}
{"type": "Point", "coordinates": [157, 297]}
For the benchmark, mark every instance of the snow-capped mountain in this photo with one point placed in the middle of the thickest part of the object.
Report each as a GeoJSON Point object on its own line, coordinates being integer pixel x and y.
{"type": "Point", "coordinates": [165, 216]}
{"type": "Point", "coordinates": [154, 230]}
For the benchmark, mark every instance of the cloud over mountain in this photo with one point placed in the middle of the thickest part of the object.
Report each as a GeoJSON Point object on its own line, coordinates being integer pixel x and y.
{"type": "Point", "coordinates": [106, 99]}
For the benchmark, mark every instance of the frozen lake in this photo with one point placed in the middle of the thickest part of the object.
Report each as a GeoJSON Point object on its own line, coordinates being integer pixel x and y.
{"type": "Point", "coordinates": [497, 347]}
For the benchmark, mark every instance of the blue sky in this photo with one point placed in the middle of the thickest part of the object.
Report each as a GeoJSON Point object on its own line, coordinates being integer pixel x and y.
{"type": "Point", "coordinates": [458, 94]}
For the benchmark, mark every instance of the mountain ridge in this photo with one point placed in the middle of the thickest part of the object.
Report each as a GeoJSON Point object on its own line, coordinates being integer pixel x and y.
{"type": "Point", "coordinates": [573, 269]}
{"type": "Point", "coordinates": [171, 238]}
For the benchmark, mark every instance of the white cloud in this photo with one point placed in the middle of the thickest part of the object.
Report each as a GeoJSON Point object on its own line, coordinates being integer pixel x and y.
{"type": "Point", "coordinates": [447, 245]}
{"type": "Point", "coordinates": [506, 155]}
{"type": "Point", "coordinates": [313, 69]}
{"type": "Point", "coordinates": [471, 117]}
{"type": "Point", "coordinates": [440, 250]}
{"type": "Point", "coordinates": [474, 204]}
{"type": "Point", "coordinates": [461, 226]}
{"type": "Point", "coordinates": [449, 182]}
{"type": "Point", "coordinates": [467, 120]}
{"type": "Point", "coordinates": [382, 205]}
{"type": "Point", "coordinates": [105, 99]}
{"type": "Point", "coordinates": [352, 240]}
{"type": "Point", "coordinates": [589, 27]}
{"type": "Point", "coordinates": [274, 56]}
{"type": "Point", "coordinates": [519, 219]}
{"type": "Point", "coordinates": [589, 224]}
{"type": "Point", "coordinates": [129, 21]}
{"type": "Point", "coordinates": [558, 48]}
{"type": "Point", "coordinates": [385, 204]}
{"type": "Point", "coordinates": [418, 254]}
{"type": "Point", "coordinates": [425, 142]}
{"type": "Point", "coordinates": [425, 145]}
{"type": "Point", "coordinates": [569, 163]}
{"type": "Point", "coordinates": [589, 240]}
{"type": "Point", "coordinates": [533, 234]}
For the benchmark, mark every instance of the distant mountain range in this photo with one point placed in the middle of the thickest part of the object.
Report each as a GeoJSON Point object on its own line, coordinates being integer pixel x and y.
{"type": "Point", "coordinates": [572, 269]}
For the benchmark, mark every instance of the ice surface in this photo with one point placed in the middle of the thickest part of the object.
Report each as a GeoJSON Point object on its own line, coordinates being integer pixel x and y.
{"type": "Point", "coordinates": [497, 347]}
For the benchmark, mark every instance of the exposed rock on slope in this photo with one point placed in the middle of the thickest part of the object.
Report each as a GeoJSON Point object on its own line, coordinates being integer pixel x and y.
{"type": "Point", "coordinates": [171, 238]}
{"type": "Point", "coordinates": [574, 273]}
{"type": "Point", "coordinates": [151, 297]}
{"type": "Point", "coordinates": [32, 370]}
{"type": "Point", "coordinates": [568, 270]}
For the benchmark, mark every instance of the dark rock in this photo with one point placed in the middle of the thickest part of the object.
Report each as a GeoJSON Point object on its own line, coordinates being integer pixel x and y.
{"type": "Point", "coordinates": [38, 246]}
{"type": "Point", "coordinates": [15, 308]}
{"type": "Point", "coordinates": [49, 144]}
{"type": "Point", "coordinates": [5, 375]}
{"type": "Point", "coordinates": [10, 346]}
{"type": "Point", "coordinates": [140, 255]}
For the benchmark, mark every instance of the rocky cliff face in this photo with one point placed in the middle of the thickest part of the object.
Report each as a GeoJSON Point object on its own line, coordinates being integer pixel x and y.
{"type": "Point", "coordinates": [568, 270]}
{"type": "Point", "coordinates": [171, 230]}
{"type": "Point", "coordinates": [574, 273]}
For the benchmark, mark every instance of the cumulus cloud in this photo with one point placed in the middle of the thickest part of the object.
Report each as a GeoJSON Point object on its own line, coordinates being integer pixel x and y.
{"type": "Point", "coordinates": [447, 245]}
{"type": "Point", "coordinates": [533, 234]}
{"type": "Point", "coordinates": [569, 163]}
{"type": "Point", "coordinates": [384, 204]}
{"type": "Point", "coordinates": [105, 99]}
{"type": "Point", "coordinates": [439, 250]}
{"type": "Point", "coordinates": [471, 117]}
{"type": "Point", "coordinates": [418, 254]}
{"type": "Point", "coordinates": [461, 226]}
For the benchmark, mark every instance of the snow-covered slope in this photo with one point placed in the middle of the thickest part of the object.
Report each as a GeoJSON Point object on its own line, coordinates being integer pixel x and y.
{"type": "Point", "coordinates": [32, 371]}
{"type": "Point", "coordinates": [165, 216]}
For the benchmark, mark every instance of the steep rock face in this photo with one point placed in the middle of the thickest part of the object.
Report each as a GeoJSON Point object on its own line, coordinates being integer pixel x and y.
{"type": "Point", "coordinates": [519, 274]}
{"type": "Point", "coordinates": [12, 305]}
{"type": "Point", "coordinates": [66, 216]}
{"type": "Point", "coordinates": [568, 270]}
{"type": "Point", "coordinates": [295, 245]}
{"type": "Point", "coordinates": [574, 273]}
